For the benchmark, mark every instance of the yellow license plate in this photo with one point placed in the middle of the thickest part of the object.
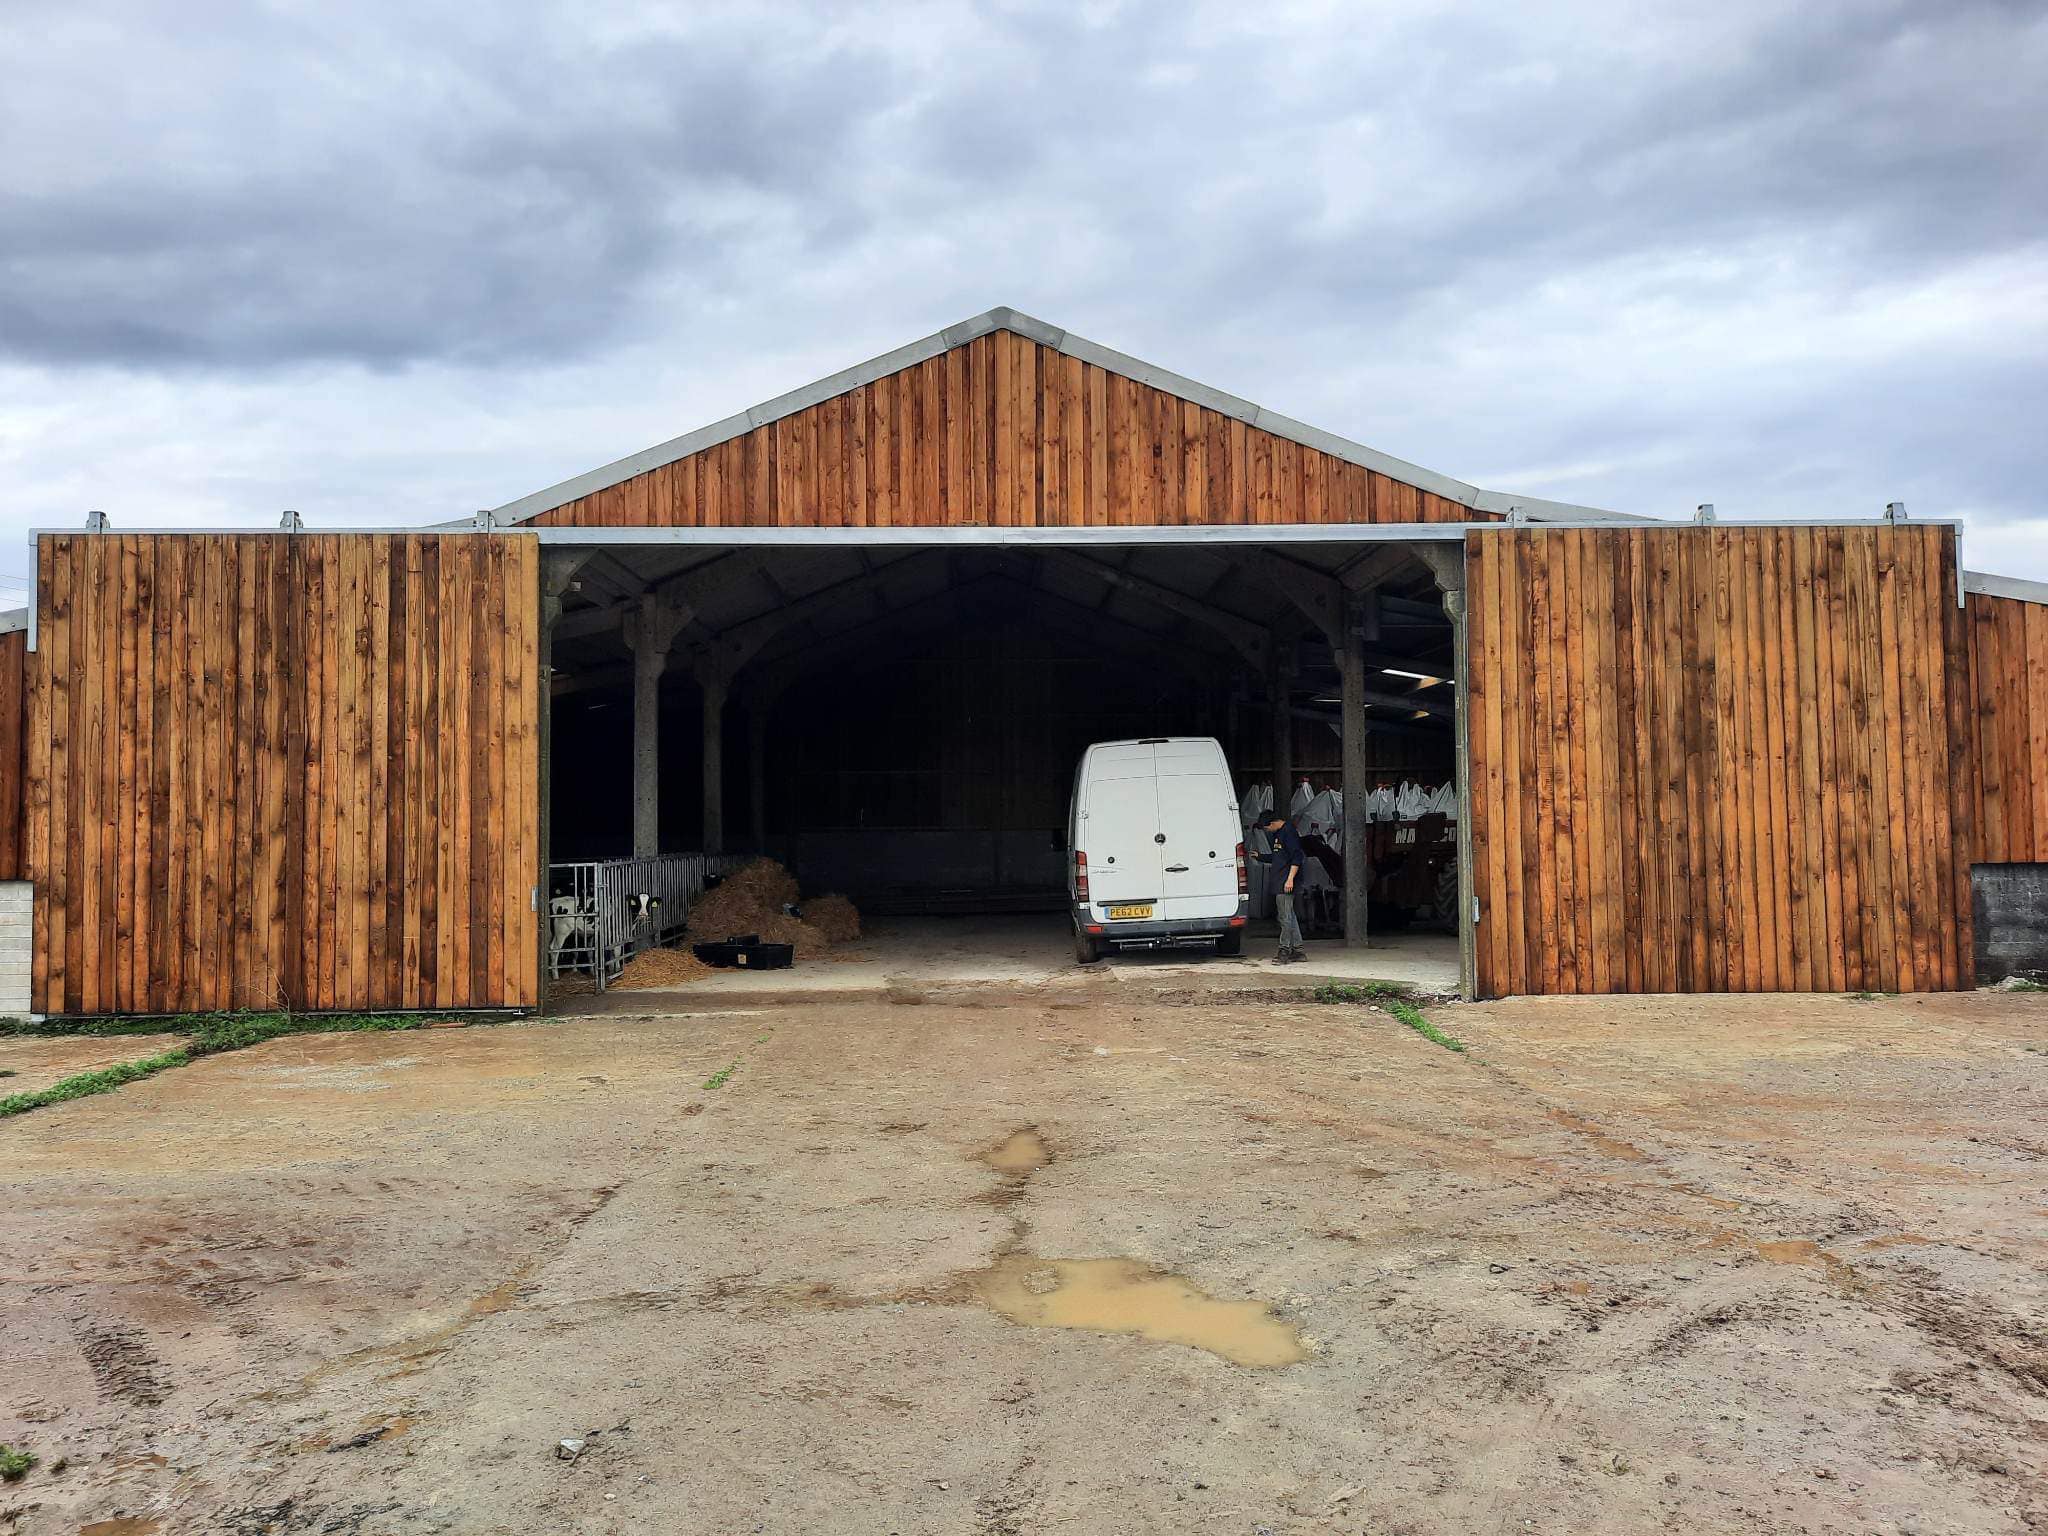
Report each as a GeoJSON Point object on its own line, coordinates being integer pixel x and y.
{"type": "Point", "coordinates": [1132, 909]}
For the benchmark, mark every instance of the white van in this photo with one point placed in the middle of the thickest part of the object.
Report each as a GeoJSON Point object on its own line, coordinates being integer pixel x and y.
{"type": "Point", "coordinates": [1154, 852]}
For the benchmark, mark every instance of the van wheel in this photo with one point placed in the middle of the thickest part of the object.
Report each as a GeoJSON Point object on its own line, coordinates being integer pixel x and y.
{"type": "Point", "coordinates": [1232, 943]}
{"type": "Point", "coordinates": [1087, 949]}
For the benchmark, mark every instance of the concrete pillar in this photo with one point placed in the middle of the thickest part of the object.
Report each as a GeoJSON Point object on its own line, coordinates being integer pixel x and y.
{"type": "Point", "coordinates": [1357, 873]}
{"type": "Point", "coordinates": [648, 665]}
{"type": "Point", "coordinates": [1280, 690]}
{"type": "Point", "coordinates": [1447, 563]}
{"type": "Point", "coordinates": [1468, 937]}
{"type": "Point", "coordinates": [650, 629]}
{"type": "Point", "coordinates": [557, 570]}
{"type": "Point", "coordinates": [715, 686]}
{"type": "Point", "coordinates": [757, 771]}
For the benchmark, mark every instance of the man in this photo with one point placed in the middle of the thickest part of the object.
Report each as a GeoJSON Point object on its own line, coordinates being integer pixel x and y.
{"type": "Point", "coordinates": [1284, 864]}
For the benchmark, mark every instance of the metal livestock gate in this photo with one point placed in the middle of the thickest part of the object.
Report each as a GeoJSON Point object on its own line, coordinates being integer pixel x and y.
{"type": "Point", "coordinates": [594, 918]}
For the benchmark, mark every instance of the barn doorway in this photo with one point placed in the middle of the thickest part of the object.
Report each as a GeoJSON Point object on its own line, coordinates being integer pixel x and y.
{"type": "Point", "coordinates": [898, 719]}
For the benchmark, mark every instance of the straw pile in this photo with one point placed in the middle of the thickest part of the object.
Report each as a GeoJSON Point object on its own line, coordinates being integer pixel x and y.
{"type": "Point", "coordinates": [661, 968]}
{"type": "Point", "coordinates": [762, 881]}
{"type": "Point", "coordinates": [751, 900]}
{"type": "Point", "coordinates": [833, 916]}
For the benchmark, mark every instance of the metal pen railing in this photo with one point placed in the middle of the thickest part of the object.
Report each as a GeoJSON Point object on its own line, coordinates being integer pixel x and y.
{"type": "Point", "coordinates": [602, 912]}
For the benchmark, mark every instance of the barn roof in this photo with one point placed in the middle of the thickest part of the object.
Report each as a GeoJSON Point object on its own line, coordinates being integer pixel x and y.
{"type": "Point", "coordinates": [1499, 503]}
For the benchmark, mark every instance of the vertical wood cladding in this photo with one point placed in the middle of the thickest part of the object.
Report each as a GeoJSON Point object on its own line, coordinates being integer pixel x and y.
{"type": "Point", "coordinates": [1004, 432]}
{"type": "Point", "coordinates": [270, 770]}
{"type": "Point", "coordinates": [1719, 759]}
{"type": "Point", "coordinates": [2008, 771]}
{"type": "Point", "coordinates": [13, 753]}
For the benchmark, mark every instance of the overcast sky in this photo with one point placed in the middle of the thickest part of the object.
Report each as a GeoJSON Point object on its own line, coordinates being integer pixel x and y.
{"type": "Point", "coordinates": [388, 263]}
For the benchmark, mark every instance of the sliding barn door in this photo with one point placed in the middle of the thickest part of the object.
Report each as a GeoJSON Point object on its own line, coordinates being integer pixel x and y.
{"type": "Point", "coordinates": [272, 770]}
{"type": "Point", "coordinates": [1719, 759]}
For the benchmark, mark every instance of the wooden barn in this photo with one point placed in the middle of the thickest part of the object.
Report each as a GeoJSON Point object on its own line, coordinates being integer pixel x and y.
{"type": "Point", "coordinates": [868, 626]}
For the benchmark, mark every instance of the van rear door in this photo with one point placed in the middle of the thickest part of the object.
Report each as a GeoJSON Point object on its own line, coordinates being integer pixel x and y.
{"type": "Point", "coordinates": [1198, 818]}
{"type": "Point", "coordinates": [1122, 821]}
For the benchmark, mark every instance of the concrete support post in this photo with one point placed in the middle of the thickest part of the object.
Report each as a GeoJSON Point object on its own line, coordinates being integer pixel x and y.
{"type": "Point", "coordinates": [757, 772]}
{"type": "Point", "coordinates": [1447, 563]}
{"type": "Point", "coordinates": [557, 571]}
{"type": "Point", "coordinates": [1468, 936]}
{"type": "Point", "coordinates": [1280, 688]}
{"type": "Point", "coordinates": [1357, 870]}
{"type": "Point", "coordinates": [650, 629]}
{"type": "Point", "coordinates": [715, 685]}
{"type": "Point", "coordinates": [648, 665]}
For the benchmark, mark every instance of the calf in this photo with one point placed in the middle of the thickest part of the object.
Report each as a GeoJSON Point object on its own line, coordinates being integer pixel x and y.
{"type": "Point", "coordinates": [569, 921]}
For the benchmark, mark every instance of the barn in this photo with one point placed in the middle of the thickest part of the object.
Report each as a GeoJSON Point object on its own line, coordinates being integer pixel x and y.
{"type": "Point", "coordinates": [867, 627]}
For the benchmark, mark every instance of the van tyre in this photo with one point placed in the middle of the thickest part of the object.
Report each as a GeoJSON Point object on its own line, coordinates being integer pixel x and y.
{"type": "Point", "coordinates": [1087, 949]}
{"type": "Point", "coordinates": [1232, 943]}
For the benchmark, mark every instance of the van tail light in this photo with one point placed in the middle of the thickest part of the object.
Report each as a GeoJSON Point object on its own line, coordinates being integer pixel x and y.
{"type": "Point", "coordinates": [1242, 888]}
{"type": "Point", "coordinates": [1081, 875]}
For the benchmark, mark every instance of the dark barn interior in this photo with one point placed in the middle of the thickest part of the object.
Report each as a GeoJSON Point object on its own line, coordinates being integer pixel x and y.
{"type": "Point", "coordinates": [903, 723]}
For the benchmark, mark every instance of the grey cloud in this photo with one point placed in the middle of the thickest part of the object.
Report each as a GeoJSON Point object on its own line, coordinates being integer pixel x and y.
{"type": "Point", "coordinates": [1383, 219]}
{"type": "Point", "coordinates": [511, 209]}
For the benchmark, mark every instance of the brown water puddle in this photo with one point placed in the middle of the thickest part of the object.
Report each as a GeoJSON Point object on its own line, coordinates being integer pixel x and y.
{"type": "Point", "coordinates": [1125, 1296]}
{"type": "Point", "coordinates": [1613, 1146]}
{"type": "Point", "coordinates": [123, 1525]}
{"type": "Point", "coordinates": [1798, 1252]}
{"type": "Point", "coordinates": [1020, 1154]}
{"type": "Point", "coordinates": [1110, 1295]}
{"type": "Point", "coordinates": [411, 1355]}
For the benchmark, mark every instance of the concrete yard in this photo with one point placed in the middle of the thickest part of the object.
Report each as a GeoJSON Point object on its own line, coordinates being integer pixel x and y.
{"type": "Point", "coordinates": [1772, 1264]}
{"type": "Point", "coordinates": [1038, 950]}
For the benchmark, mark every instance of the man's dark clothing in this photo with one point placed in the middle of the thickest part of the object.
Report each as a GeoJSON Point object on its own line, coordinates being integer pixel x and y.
{"type": "Point", "coordinates": [1286, 856]}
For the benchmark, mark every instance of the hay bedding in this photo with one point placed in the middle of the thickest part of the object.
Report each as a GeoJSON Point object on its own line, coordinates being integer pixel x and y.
{"type": "Point", "coordinates": [833, 916]}
{"type": "Point", "coordinates": [661, 968]}
{"type": "Point", "coordinates": [749, 900]}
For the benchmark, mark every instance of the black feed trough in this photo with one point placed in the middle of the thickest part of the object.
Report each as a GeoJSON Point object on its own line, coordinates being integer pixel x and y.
{"type": "Point", "coordinates": [746, 953]}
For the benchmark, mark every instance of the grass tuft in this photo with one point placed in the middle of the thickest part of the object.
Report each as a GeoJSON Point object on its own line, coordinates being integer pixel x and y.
{"type": "Point", "coordinates": [1399, 1001]}
{"type": "Point", "coordinates": [717, 1079]}
{"type": "Point", "coordinates": [206, 1034]}
{"type": "Point", "coordinates": [14, 1464]}
{"type": "Point", "coordinates": [84, 1084]}
{"type": "Point", "coordinates": [1359, 991]}
{"type": "Point", "coordinates": [1411, 1015]}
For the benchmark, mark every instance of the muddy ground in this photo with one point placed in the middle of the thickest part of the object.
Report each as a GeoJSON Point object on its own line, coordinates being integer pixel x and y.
{"type": "Point", "coordinates": [1692, 1265]}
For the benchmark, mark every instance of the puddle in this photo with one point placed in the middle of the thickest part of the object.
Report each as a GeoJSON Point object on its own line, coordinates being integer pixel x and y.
{"type": "Point", "coordinates": [1896, 1240]}
{"type": "Point", "coordinates": [1613, 1146]}
{"type": "Point", "coordinates": [1019, 1154]}
{"type": "Point", "coordinates": [1798, 1252]}
{"type": "Point", "coordinates": [1125, 1296]}
{"type": "Point", "coordinates": [123, 1525]}
{"type": "Point", "coordinates": [412, 1355]}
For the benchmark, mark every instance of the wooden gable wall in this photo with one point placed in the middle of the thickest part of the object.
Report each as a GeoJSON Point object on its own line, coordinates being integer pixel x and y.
{"type": "Point", "coordinates": [1004, 432]}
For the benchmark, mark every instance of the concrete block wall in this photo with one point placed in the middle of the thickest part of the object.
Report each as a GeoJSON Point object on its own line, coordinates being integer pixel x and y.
{"type": "Point", "coordinates": [15, 921]}
{"type": "Point", "coordinates": [2011, 913]}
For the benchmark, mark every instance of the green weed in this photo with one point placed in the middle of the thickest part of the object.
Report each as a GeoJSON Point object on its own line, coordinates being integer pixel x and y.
{"type": "Point", "coordinates": [1411, 1015]}
{"type": "Point", "coordinates": [206, 1035]}
{"type": "Point", "coordinates": [85, 1084]}
{"type": "Point", "coordinates": [14, 1464]}
{"type": "Point", "coordinates": [1398, 1000]}
{"type": "Point", "coordinates": [717, 1079]}
{"type": "Point", "coordinates": [1358, 991]}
